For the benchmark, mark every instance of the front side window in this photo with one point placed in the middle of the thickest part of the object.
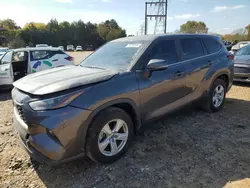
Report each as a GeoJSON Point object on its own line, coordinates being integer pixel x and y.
{"type": "Point", "coordinates": [165, 50]}
{"type": "Point", "coordinates": [116, 55]}
{"type": "Point", "coordinates": [192, 48]}
{"type": "Point", "coordinates": [244, 51]}
{"type": "Point", "coordinates": [212, 45]}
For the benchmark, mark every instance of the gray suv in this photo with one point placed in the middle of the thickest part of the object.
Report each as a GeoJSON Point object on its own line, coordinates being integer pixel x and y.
{"type": "Point", "coordinates": [95, 108]}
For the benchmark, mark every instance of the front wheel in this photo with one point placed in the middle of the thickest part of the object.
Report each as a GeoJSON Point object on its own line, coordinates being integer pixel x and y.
{"type": "Point", "coordinates": [216, 98]}
{"type": "Point", "coordinates": [109, 135]}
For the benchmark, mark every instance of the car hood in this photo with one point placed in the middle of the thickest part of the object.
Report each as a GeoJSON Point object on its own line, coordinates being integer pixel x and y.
{"type": "Point", "coordinates": [62, 78]}
{"type": "Point", "coordinates": [242, 59]}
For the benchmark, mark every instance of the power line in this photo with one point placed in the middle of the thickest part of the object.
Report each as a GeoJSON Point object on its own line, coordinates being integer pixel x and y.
{"type": "Point", "coordinates": [160, 15]}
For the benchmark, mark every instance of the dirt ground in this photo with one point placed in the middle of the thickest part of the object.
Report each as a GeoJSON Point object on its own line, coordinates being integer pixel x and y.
{"type": "Point", "coordinates": [79, 56]}
{"type": "Point", "coordinates": [188, 148]}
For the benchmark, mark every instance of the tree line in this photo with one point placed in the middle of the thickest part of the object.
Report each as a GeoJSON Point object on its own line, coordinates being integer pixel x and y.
{"type": "Point", "coordinates": [200, 27]}
{"type": "Point", "coordinates": [59, 34]}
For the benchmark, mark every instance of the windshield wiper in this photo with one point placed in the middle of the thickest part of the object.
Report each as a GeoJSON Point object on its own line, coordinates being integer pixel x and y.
{"type": "Point", "coordinates": [93, 67]}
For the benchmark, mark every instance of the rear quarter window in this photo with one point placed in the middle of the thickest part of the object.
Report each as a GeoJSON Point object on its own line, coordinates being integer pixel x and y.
{"type": "Point", "coordinates": [212, 46]}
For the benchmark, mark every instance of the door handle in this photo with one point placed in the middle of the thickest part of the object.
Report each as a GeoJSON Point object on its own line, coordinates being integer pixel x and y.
{"type": "Point", "coordinates": [6, 69]}
{"type": "Point", "coordinates": [55, 60]}
{"type": "Point", "coordinates": [178, 73]}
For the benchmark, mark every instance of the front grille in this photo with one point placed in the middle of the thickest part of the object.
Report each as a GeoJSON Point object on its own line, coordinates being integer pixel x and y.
{"type": "Point", "coordinates": [241, 70]}
{"type": "Point", "coordinates": [20, 112]}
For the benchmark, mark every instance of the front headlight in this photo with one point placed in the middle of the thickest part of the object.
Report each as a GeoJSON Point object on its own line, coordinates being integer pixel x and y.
{"type": "Point", "coordinates": [54, 103]}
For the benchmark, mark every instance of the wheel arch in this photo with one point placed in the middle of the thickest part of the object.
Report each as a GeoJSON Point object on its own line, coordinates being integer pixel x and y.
{"type": "Point", "coordinates": [224, 75]}
{"type": "Point", "coordinates": [125, 104]}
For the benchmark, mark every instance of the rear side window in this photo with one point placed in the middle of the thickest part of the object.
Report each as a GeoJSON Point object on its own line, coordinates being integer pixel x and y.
{"type": "Point", "coordinates": [165, 50]}
{"type": "Point", "coordinates": [39, 55]}
{"type": "Point", "coordinates": [192, 48]}
{"type": "Point", "coordinates": [212, 46]}
{"type": "Point", "coordinates": [60, 52]}
{"type": "Point", "coordinates": [44, 54]}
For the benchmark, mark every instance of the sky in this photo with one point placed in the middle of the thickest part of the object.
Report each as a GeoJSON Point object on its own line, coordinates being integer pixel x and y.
{"type": "Point", "coordinates": [221, 16]}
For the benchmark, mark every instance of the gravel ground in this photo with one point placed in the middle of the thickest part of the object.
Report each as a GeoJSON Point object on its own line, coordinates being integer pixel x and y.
{"type": "Point", "coordinates": [188, 148]}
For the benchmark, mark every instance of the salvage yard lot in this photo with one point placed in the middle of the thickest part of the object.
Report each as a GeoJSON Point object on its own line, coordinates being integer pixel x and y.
{"type": "Point", "coordinates": [188, 148]}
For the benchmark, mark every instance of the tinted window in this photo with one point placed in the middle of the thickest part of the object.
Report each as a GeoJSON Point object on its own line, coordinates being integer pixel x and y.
{"type": "Point", "coordinates": [212, 45]}
{"type": "Point", "coordinates": [191, 48]}
{"type": "Point", "coordinates": [244, 51]}
{"type": "Point", "coordinates": [59, 52]}
{"type": "Point", "coordinates": [42, 54]}
{"type": "Point", "coordinates": [165, 50]}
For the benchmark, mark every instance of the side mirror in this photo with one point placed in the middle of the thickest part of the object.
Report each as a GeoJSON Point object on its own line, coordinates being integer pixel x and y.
{"type": "Point", "coordinates": [157, 64]}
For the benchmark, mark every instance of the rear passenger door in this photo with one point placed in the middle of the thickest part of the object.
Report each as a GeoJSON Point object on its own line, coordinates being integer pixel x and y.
{"type": "Point", "coordinates": [40, 60]}
{"type": "Point", "coordinates": [193, 56]}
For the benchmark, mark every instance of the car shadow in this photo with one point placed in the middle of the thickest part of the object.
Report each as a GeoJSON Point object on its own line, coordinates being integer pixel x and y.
{"type": "Point", "coordinates": [241, 84]}
{"type": "Point", "coordinates": [188, 148]}
{"type": "Point", "coordinates": [5, 95]}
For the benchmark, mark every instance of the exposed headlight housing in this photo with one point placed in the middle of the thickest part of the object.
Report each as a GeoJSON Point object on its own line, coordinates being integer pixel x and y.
{"type": "Point", "coordinates": [54, 103]}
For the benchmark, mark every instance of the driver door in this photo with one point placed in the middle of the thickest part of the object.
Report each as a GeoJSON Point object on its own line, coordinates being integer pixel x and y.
{"type": "Point", "coordinates": [6, 77]}
{"type": "Point", "coordinates": [161, 90]}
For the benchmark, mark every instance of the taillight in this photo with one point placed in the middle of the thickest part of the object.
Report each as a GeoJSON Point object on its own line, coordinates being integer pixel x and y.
{"type": "Point", "coordinates": [69, 58]}
{"type": "Point", "coordinates": [230, 56]}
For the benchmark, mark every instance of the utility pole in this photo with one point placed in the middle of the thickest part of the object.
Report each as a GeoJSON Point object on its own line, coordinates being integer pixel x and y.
{"type": "Point", "coordinates": [159, 13]}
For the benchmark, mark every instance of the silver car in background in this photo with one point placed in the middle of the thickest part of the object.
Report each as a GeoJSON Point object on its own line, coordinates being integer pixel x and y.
{"type": "Point", "coordinates": [239, 45]}
{"type": "Point", "coordinates": [242, 65]}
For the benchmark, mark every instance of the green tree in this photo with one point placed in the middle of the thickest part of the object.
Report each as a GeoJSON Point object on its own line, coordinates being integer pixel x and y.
{"type": "Point", "coordinates": [194, 27]}
{"type": "Point", "coordinates": [8, 24]}
{"type": "Point", "coordinates": [248, 32]}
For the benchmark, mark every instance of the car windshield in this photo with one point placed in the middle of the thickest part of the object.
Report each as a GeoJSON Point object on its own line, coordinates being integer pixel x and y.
{"type": "Point", "coordinates": [115, 55]}
{"type": "Point", "coordinates": [244, 51]}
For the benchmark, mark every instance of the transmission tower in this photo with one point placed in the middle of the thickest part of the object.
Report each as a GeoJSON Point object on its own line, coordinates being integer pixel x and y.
{"type": "Point", "coordinates": [156, 9]}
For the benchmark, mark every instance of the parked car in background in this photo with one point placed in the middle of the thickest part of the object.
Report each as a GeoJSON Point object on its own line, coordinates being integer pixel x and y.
{"type": "Point", "coordinates": [79, 48]}
{"type": "Point", "coordinates": [61, 47]}
{"type": "Point", "coordinates": [242, 65]}
{"type": "Point", "coordinates": [42, 45]}
{"type": "Point", "coordinates": [228, 45]}
{"type": "Point", "coordinates": [239, 45]}
{"type": "Point", "coordinates": [96, 108]}
{"type": "Point", "coordinates": [3, 51]}
{"type": "Point", "coordinates": [89, 48]}
{"type": "Point", "coordinates": [18, 63]}
{"type": "Point", "coordinates": [70, 48]}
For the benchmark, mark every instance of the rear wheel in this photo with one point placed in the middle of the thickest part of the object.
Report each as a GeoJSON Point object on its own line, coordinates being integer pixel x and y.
{"type": "Point", "coordinates": [216, 98]}
{"type": "Point", "coordinates": [109, 135]}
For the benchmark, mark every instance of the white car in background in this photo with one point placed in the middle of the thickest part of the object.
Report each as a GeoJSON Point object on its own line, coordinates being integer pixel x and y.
{"type": "Point", "coordinates": [3, 51]}
{"type": "Point", "coordinates": [79, 48]}
{"type": "Point", "coordinates": [61, 47]}
{"type": "Point", "coordinates": [239, 45]}
{"type": "Point", "coordinates": [42, 45]}
{"type": "Point", "coordinates": [70, 48]}
{"type": "Point", "coordinates": [18, 63]}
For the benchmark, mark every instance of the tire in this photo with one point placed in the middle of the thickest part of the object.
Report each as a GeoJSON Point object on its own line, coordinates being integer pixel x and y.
{"type": "Point", "coordinates": [209, 105]}
{"type": "Point", "coordinates": [96, 137]}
